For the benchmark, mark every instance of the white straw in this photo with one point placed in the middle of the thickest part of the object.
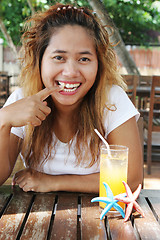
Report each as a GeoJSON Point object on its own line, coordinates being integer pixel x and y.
{"type": "Point", "coordinates": [104, 141]}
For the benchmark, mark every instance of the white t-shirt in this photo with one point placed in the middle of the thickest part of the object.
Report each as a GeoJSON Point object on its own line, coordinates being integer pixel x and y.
{"type": "Point", "coordinates": [64, 161]}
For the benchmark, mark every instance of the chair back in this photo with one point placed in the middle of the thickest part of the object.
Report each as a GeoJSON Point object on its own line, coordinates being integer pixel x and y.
{"type": "Point", "coordinates": [144, 80]}
{"type": "Point", "coordinates": [154, 113]}
{"type": "Point", "coordinates": [144, 84]}
{"type": "Point", "coordinates": [152, 123]}
{"type": "Point", "coordinates": [131, 81]}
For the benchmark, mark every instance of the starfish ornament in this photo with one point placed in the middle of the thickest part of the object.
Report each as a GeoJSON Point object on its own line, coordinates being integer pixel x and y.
{"type": "Point", "coordinates": [110, 201]}
{"type": "Point", "coordinates": [130, 200]}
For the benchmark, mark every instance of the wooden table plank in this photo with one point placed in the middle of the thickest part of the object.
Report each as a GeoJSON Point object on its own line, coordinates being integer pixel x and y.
{"type": "Point", "coordinates": [91, 225]}
{"type": "Point", "coordinates": [147, 227]}
{"type": "Point", "coordinates": [12, 218]}
{"type": "Point", "coordinates": [5, 196]}
{"type": "Point", "coordinates": [65, 220]}
{"type": "Point", "coordinates": [118, 229]}
{"type": "Point", "coordinates": [37, 224]}
{"type": "Point", "coordinates": [155, 206]}
{"type": "Point", "coordinates": [150, 193]}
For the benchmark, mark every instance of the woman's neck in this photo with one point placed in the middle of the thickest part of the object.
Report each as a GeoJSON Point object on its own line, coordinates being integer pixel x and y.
{"type": "Point", "coordinates": [65, 126]}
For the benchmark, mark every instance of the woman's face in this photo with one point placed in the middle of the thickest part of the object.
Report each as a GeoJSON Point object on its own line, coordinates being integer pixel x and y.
{"type": "Point", "coordinates": [70, 60]}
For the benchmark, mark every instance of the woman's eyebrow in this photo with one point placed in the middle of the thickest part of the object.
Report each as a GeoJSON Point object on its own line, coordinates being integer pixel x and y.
{"type": "Point", "coordinates": [86, 52]}
{"type": "Point", "coordinates": [63, 51]}
{"type": "Point", "coordinates": [59, 51]}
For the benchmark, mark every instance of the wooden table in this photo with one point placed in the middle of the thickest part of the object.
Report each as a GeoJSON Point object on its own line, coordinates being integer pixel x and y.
{"type": "Point", "coordinates": [61, 215]}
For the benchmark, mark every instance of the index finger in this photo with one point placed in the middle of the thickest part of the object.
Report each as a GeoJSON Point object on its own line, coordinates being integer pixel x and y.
{"type": "Point", "coordinates": [46, 92]}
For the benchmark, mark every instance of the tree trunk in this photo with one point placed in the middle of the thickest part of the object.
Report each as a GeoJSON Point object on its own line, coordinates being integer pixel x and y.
{"type": "Point", "coordinates": [31, 7]}
{"type": "Point", "coordinates": [120, 49]}
{"type": "Point", "coordinates": [8, 38]}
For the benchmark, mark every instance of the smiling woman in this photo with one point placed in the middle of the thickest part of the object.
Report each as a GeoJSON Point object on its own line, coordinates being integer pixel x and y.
{"type": "Point", "coordinates": [69, 86]}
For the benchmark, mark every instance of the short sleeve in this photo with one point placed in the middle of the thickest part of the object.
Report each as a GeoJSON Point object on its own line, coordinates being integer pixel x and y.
{"type": "Point", "coordinates": [15, 96]}
{"type": "Point", "coordinates": [122, 109]}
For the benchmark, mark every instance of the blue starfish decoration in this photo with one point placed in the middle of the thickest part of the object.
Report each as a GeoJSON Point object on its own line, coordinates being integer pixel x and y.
{"type": "Point", "coordinates": [110, 202]}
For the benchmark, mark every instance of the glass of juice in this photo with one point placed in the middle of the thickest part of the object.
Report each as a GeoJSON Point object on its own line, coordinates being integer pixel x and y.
{"type": "Point", "coordinates": [113, 170]}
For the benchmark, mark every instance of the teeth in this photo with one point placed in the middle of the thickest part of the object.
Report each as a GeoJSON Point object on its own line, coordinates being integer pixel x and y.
{"type": "Point", "coordinates": [69, 86]}
{"type": "Point", "coordinates": [69, 90]}
{"type": "Point", "coordinates": [72, 85]}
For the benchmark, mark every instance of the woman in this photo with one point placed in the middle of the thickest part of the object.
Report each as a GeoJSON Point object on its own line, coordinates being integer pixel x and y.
{"type": "Point", "coordinates": [69, 86]}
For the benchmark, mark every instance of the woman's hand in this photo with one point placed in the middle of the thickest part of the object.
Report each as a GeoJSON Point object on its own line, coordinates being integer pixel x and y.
{"type": "Point", "coordinates": [30, 180]}
{"type": "Point", "coordinates": [30, 110]}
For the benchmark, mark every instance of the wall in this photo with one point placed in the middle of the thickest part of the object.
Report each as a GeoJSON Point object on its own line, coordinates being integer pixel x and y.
{"type": "Point", "coordinates": [11, 65]}
{"type": "Point", "coordinates": [147, 59]}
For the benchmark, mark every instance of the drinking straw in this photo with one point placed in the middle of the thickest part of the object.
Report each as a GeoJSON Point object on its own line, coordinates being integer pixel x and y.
{"type": "Point", "coordinates": [104, 141]}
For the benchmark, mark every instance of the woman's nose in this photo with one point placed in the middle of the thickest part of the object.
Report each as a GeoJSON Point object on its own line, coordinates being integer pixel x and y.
{"type": "Point", "coordinates": [71, 69]}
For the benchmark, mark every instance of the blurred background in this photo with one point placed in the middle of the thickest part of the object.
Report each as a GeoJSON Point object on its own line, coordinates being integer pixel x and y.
{"type": "Point", "coordinates": [137, 23]}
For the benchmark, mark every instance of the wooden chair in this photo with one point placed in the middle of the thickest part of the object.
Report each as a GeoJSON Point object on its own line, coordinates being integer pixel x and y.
{"type": "Point", "coordinates": [4, 87]}
{"type": "Point", "coordinates": [131, 81]}
{"type": "Point", "coordinates": [152, 121]}
{"type": "Point", "coordinates": [144, 80]}
{"type": "Point", "coordinates": [143, 92]}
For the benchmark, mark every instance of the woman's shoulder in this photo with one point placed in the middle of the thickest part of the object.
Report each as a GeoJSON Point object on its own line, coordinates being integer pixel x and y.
{"type": "Point", "coordinates": [120, 109]}
{"type": "Point", "coordinates": [116, 92]}
{"type": "Point", "coordinates": [17, 93]}
{"type": "Point", "coordinates": [15, 96]}
{"type": "Point", "coordinates": [116, 89]}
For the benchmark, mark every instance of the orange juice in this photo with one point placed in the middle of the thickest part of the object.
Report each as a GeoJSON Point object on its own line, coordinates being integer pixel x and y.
{"type": "Point", "coordinates": [113, 170]}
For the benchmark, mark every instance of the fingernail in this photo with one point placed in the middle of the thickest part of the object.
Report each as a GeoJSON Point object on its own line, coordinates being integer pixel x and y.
{"type": "Point", "coordinates": [61, 87]}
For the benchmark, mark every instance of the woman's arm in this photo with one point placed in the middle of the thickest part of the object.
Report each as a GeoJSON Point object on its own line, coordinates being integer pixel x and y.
{"type": "Point", "coordinates": [31, 180]}
{"type": "Point", "coordinates": [9, 150]}
{"type": "Point", "coordinates": [127, 134]}
{"type": "Point", "coordinates": [30, 110]}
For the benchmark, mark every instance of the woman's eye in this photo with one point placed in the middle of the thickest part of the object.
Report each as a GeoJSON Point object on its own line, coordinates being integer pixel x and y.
{"type": "Point", "coordinates": [84, 59]}
{"type": "Point", "coordinates": [59, 58]}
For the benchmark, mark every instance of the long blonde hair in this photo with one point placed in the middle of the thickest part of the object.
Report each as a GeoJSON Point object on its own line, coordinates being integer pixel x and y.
{"type": "Point", "coordinates": [38, 32]}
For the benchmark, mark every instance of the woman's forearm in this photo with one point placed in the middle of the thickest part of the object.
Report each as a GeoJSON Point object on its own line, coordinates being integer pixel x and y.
{"type": "Point", "coordinates": [77, 183]}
